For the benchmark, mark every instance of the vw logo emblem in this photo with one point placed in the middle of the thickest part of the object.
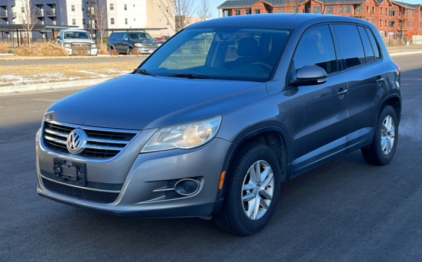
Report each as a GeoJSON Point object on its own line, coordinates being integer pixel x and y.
{"type": "Point", "coordinates": [76, 141]}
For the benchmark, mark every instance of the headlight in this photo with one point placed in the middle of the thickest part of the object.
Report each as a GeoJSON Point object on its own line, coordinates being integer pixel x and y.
{"type": "Point", "coordinates": [93, 46]}
{"type": "Point", "coordinates": [139, 45]}
{"type": "Point", "coordinates": [67, 45]}
{"type": "Point", "coordinates": [183, 137]}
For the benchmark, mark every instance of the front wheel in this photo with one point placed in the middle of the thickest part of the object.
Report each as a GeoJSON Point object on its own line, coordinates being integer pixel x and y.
{"type": "Point", "coordinates": [382, 149]}
{"type": "Point", "coordinates": [252, 191]}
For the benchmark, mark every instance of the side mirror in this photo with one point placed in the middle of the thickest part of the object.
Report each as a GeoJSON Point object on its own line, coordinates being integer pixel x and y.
{"type": "Point", "coordinates": [310, 75]}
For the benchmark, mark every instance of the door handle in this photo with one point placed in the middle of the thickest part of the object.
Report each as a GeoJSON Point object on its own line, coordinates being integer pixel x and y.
{"type": "Point", "coordinates": [379, 80]}
{"type": "Point", "coordinates": [342, 91]}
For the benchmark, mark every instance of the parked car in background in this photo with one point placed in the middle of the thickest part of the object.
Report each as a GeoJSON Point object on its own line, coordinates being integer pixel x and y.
{"type": "Point", "coordinates": [77, 41]}
{"type": "Point", "coordinates": [212, 123]}
{"type": "Point", "coordinates": [127, 42]}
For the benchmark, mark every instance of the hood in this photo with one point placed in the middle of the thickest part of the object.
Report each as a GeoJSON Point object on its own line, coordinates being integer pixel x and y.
{"type": "Point", "coordinates": [143, 102]}
{"type": "Point", "coordinates": [69, 41]}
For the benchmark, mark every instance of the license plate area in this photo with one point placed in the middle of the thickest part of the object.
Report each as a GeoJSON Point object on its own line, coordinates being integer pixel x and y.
{"type": "Point", "coordinates": [70, 172]}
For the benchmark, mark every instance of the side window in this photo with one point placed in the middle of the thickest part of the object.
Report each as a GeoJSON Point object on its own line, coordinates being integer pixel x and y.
{"type": "Point", "coordinates": [316, 48]}
{"type": "Point", "coordinates": [350, 45]}
{"type": "Point", "coordinates": [374, 44]}
{"type": "Point", "coordinates": [367, 45]}
{"type": "Point", "coordinates": [125, 36]}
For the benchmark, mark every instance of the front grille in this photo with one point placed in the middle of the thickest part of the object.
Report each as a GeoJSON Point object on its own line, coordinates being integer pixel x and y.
{"type": "Point", "coordinates": [150, 45]}
{"type": "Point", "coordinates": [82, 194]}
{"type": "Point", "coordinates": [101, 144]}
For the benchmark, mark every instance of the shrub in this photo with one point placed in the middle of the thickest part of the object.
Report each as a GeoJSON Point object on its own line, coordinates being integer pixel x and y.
{"type": "Point", "coordinates": [136, 52]}
{"type": "Point", "coordinates": [45, 49]}
{"type": "Point", "coordinates": [4, 48]}
{"type": "Point", "coordinates": [103, 50]}
{"type": "Point", "coordinates": [114, 52]}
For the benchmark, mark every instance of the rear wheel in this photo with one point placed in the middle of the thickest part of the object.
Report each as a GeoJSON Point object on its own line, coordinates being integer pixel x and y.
{"type": "Point", "coordinates": [382, 149]}
{"type": "Point", "coordinates": [252, 191]}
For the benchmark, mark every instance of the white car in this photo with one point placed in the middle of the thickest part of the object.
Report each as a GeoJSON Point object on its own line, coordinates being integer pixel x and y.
{"type": "Point", "coordinates": [73, 38]}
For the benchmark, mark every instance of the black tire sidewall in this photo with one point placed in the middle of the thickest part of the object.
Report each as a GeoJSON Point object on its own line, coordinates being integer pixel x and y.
{"type": "Point", "coordinates": [241, 167]}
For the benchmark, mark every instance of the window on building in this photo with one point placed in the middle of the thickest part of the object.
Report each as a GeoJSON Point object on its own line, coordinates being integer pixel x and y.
{"type": "Point", "coordinates": [125, 7]}
{"type": "Point", "coordinates": [358, 10]}
{"type": "Point", "coordinates": [350, 45]}
{"type": "Point", "coordinates": [392, 13]}
{"type": "Point", "coordinates": [367, 45]}
{"type": "Point", "coordinates": [23, 9]}
{"type": "Point", "coordinates": [125, 21]}
{"type": "Point", "coordinates": [392, 23]}
{"type": "Point", "coordinates": [281, 10]}
{"type": "Point", "coordinates": [373, 10]}
{"type": "Point", "coordinates": [83, 8]}
{"type": "Point", "coordinates": [381, 10]}
{"type": "Point", "coordinates": [83, 21]}
{"type": "Point", "coordinates": [112, 21]}
{"type": "Point", "coordinates": [341, 9]}
{"type": "Point", "coordinates": [409, 24]}
{"type": "Point", "coordinates": [385, 23]}
{"type": "Point", "coordinates": [73, 8]}
{"type": "Point", "coordinates": [380, 22]}
{"type": "Point", "coordinates": [237, 12]}
{"type": "Point", "coordinates": [317, 10]}
{"type": "Point", "coordinates": [367, 9]}
{"type": "Point", "coordinates": [227, 13]}
{"type": "Point", "coordinates": [248, 11]}
{"type": "Point", "coordinates": [348, 9]}
{"type": "Point", "coordinates": [257, 11]}
{"type": "Point", "coordinates": [73, 21]}
{"type": "Point", "coordinates": [111, 6]}
{"type": "Point", "coordinates": [329, 9]}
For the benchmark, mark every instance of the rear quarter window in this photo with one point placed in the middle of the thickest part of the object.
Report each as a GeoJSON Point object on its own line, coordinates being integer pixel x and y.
{"type": "Point", "coordinates": [367, 45]}
{"type": "Point", "coordinates": [350, 45]}
{"type": "Point", "coordinates": [374, 43]}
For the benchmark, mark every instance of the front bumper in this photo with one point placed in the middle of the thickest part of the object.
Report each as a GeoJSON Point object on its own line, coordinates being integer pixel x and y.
{"type": "Point", "coordinates": [146, 50]}
{"type": "Point", "coordinates": [93, 51]}
{"type": "Point", "coordinates": [145, 179]}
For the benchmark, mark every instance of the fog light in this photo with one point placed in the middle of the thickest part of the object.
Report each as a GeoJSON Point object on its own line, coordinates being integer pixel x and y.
{"type": "Point", "coordinates": [186, 187]}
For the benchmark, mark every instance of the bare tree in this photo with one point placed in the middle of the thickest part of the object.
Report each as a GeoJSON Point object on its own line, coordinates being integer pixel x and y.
{"type": "Point", "coordinates": [204, 10]}
{"type": "Point", "coordinates": [178, 11]}
{"type": "Point", "coordinates": [28, 18]}
{"type": "Point", "coordinates": [101, 18]}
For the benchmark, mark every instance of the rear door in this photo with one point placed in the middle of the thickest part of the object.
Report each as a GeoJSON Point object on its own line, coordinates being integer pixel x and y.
{"type": "Point", "coordinates": [319, 111]}
{"type": "Point", "coordinates": [362, 65]}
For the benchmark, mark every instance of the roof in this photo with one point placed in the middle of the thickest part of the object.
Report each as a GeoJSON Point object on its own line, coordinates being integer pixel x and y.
{"type": "Point", "coordinates": [37, 27]}
{"type": "Point", "coordinates": [274, 21]}
{"type": "Point", "coordinates": [414, 6]}
{"type": "Point", "coordinates": [249, 3]}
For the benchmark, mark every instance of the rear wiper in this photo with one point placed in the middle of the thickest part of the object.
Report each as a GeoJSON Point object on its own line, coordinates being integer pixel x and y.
{"type": "Point", "coordinates": [143, 72]}
{"type": "Point", "coordinates": [191, 76]}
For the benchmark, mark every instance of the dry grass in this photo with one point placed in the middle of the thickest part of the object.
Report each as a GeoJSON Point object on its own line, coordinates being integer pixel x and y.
{"type": "Point", "coordinates": [114, 52]}
{"type": "Point", "coordinates": [17, 75]}
{"type": "Point", "coordinates": [103, 50]}
{"type": "Point", "coordinates": [4, 48]}
{"type": "Point", "coordinates": [45, 49]}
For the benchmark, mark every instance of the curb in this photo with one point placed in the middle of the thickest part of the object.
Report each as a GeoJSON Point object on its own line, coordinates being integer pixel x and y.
{"type": "Point", "coordinates": [406, 53]}
{"type": "Point", "coordinates": [50, 86]}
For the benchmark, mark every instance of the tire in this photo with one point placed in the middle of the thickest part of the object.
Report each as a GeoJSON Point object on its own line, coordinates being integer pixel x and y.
{"type": "Point", "coordinates": [383, 148]}
{"type": "Point", "coordinates": [129, 51]}
{"type": "Point", "coordinates": [237, 216]}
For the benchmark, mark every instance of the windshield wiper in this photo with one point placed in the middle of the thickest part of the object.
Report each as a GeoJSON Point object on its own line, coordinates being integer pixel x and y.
{"type": "Point", "coordinates": [143, 72]}
{"type": "Point", "coordinates": [191, 76]}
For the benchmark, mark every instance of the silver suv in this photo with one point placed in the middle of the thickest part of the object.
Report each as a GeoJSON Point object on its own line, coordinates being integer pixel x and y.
{"type": "Point", "coordinates": [218, 117]}
{"type": "Point", "coordinates": [74, 39]}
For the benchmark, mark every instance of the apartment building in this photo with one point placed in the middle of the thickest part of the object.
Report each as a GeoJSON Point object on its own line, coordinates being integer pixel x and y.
{"type": "Point", "coordinates": [392, 18]}
{"type": "Point", "coordinates": [116, 14]}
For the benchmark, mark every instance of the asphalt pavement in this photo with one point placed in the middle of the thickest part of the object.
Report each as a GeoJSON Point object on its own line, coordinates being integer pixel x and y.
{"type": "Point", "coordinates": [346, 210]}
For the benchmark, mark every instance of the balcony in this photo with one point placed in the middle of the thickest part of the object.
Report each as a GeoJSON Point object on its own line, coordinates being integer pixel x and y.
{"type": "Point", "coordinates": [51, 13]}
{"type": "Point", "coordinates": [4, 14]}
{"type": "Point", "coordinates": [39, 13]}
{"type": "Point", "coordinates": [90, 12]}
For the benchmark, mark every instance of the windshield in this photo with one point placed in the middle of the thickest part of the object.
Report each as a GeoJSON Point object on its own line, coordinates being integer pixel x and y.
{"type": "Point", "coordinates": [231, 54]}
{"type": "Point", "coordinates": [140, 36]}
{"type": "Point", "coordinates": [76, 35]}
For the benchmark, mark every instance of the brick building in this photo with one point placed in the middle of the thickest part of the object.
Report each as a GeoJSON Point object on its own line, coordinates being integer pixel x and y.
{"type": "Point", "coordinates": [393, 19]}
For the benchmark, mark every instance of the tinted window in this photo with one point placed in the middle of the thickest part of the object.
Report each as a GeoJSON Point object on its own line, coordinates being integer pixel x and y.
{"type": "Point", "coordinates": [374, 43]}
{"type": "Point", "coordinates": [76, 35]}
{"type": "Point", "coordinates": [367, 45]}
{"type": "Point", "coordinates": [350, 45]}
{"type": "Point", "coordinates": [316, 48]}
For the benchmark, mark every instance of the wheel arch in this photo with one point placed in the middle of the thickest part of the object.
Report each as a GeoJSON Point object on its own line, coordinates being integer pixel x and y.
{"type": "Point", "coordinates": [395, 102]}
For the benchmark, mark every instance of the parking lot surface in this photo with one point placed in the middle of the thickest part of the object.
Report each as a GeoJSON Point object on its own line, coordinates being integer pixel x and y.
{"type": "Point", "coordinates": [346, 210]}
